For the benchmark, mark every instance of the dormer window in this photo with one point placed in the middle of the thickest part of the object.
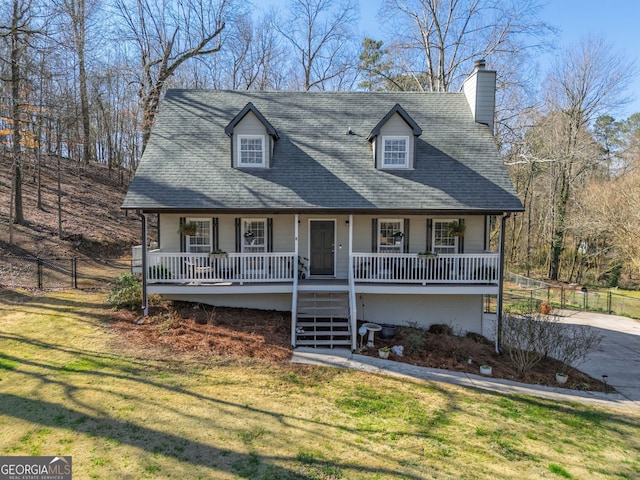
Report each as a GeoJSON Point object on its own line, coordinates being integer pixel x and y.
{"type": "Point", "coordinates": [395, 152]}
{"type": "Point", "coordinates": [252, 139]}
{"type": "Point", "coordinates": [394, 140]}
{"type": "Point", "coordinates": [251, 151]}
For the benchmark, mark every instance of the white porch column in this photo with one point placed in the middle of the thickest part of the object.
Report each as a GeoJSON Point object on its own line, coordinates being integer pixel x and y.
{"type": "Point", "coordinates": [294, 295]}
{"type": "Point", "coordinates": [353, 309]}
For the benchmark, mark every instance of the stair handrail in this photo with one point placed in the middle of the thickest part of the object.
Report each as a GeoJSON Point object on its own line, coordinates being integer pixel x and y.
{"type": "Point", "coordinates": [353, 308]}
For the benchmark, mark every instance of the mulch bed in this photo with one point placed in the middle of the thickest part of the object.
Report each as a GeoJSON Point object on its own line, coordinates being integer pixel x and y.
{"type": "Point", "coordinates": [195, 331]}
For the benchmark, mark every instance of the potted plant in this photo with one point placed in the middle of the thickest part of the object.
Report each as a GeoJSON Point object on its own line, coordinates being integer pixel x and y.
{"type": "Point", "coordinates": [188, 228]}
{"type": "Point", "coordinates": [485, 369]}
{"type": "Point", "coordinates": [218, 254]}
{"type": "Point", "coordinates": [561, 377]}
{"type": "Point", "coordinates": [384, 352]}
{"type": "Point", "coordinates": [457, 228]}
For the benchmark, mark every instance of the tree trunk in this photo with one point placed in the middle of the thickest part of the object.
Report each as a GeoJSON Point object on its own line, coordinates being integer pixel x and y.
{"type": "Point", "coordinates": [78, 18]}
{"type": "Point", "coordinates": [15, 113]}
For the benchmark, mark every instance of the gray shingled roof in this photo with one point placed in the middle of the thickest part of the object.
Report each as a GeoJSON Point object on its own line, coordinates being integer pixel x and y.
{"type": "Point", "coordinates": [316, 165]}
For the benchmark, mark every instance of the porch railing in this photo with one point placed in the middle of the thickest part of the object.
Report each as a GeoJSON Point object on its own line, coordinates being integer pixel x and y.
{"type": "Point", "coordinates": [479, 268]}
{"type": "Point", "coordinates": [233, 267]}
{"type": "Point", "coordinates": [408, 268]}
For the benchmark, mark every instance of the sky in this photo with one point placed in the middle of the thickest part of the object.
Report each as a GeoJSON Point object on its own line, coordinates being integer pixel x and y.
{"type": "Point", "coordinates": [616, 21]}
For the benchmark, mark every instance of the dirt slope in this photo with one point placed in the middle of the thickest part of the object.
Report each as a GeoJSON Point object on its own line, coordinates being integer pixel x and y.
{"type": "Point", "coordinates": [92, 223]}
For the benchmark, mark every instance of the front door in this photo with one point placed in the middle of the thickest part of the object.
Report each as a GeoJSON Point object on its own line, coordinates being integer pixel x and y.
{"type": "Point", "coordinates": [321, 261]}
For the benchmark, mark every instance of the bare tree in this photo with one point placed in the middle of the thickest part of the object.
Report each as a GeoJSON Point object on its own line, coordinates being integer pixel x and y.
{"type": "Point", "coordinates": [440, 38]}
{"type": "Point", "coordinates": [254, 57]}
{"type": "Point", "coordinates": [166, 35]}
{"type": "Point", "coordinates": [587, 81]}
{"type": "Point", "coordinates": [320, 32]}
{"type": "Point", "coordinates": [17, 32]}
{"type": "Point", "coordinates": [79, 13]}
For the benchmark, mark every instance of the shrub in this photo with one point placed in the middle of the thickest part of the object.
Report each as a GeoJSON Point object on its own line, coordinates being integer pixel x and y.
{"type": "Point", "coordinates": [573, 344]}
{"type": "Point", "coordinates": [528, 339]}
{"type": "Point", "coordinates": [160, 272]}
{"type": "Point", "coordinates": [414, 343]}
{"type": "Point", "coordinates": [440, 329]}
{"type": "Point", "coordinates": [126, 292]}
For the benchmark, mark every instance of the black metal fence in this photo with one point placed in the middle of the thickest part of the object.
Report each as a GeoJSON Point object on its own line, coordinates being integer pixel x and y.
{"type": "Point", "coordinates": [526, 293]}
{"type": "Point", "coordinates": [61, 272]}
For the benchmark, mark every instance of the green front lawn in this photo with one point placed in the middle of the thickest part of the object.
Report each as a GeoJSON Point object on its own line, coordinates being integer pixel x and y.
{"type": "Point", "coordinates": [67, 389]}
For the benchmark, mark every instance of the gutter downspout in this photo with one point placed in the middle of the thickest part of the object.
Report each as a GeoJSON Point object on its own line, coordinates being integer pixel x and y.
{"type": "Point", "coordinates": [145, 296]}
{"type": "Point", "coordinates": [503, 223]}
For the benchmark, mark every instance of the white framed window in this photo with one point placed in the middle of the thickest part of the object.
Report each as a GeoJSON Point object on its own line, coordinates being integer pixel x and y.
{"type": "Point", "coordinates": [443, 240]}
{"type": "Point", "coordinates": [201, 241]}
{"type": "Point", "coordinates": [390, 236]}
{"type": "Point", "coordinates": [251, 151]}
{"type": "Point", "coordinates": [395, 152]}
{"type": "Point", "coordinates": [254, 231]}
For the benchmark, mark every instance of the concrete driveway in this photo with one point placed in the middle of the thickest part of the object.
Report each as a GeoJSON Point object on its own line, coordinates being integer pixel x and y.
{"type": "Point", "coordinates": [619, 353]}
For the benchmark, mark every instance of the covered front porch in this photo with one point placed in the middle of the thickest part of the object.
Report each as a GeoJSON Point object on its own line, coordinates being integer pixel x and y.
{"type": "Point", "coordinates": [305, 263]}
{"type": "Point", "coordinates": [285, 267]}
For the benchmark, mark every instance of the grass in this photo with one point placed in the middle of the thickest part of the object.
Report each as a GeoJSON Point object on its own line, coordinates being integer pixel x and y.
{"type": "Point", "coordinates": [623, 302]}
{"type": "Point", "coordinates": [65, 389]}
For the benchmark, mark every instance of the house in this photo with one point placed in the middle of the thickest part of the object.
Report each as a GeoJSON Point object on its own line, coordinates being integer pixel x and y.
{"type": "Point", "coordinates": [337, 206]}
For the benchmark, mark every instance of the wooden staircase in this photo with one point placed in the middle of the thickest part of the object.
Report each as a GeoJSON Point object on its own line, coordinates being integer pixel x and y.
{"type": "Point", "coordinates": [323, 319]}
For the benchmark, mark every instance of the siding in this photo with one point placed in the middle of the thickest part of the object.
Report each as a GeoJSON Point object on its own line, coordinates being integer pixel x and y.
{"type": "Point", "coordinates": [250, 125]}
{"type": "Point", "coordinates": [395, 126]}
{"type": "Point", "coordinates": [283, 234]}
{"type": "Point", "coordinates": [479, 89]}
{"type": "Point", "coordinates": [462, 312]}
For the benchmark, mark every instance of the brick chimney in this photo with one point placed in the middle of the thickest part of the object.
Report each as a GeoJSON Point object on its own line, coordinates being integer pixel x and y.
{"type": "Point", "coordinates": [480, 90]}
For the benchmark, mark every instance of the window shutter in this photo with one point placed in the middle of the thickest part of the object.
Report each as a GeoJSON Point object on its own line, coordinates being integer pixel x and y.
{"type": "Point", "coordinates": [238, 235]}
{"type": "Point", "coordinates": [183, 239]}
{"type": "Point", "coordinates": [406, 236]}
{"type": "Point", "coordinates": [269, 234]}
{"type": "Point", "coordinates": [429, 234]}
{"type": "Point", "coordinates": [216, 237]}
{"type": "Point", "coordinates": [158, 231]}
{"type": "Point", "coordinates": [374, 235]}
{"type": "Point", "coordinates": [461, 238]}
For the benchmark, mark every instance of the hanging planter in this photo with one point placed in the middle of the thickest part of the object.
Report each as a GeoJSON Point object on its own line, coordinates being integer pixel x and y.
{"type": "Point", "coordinates": [456, 229]}
{"type": "Point", "coordinates": [188, 228]}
